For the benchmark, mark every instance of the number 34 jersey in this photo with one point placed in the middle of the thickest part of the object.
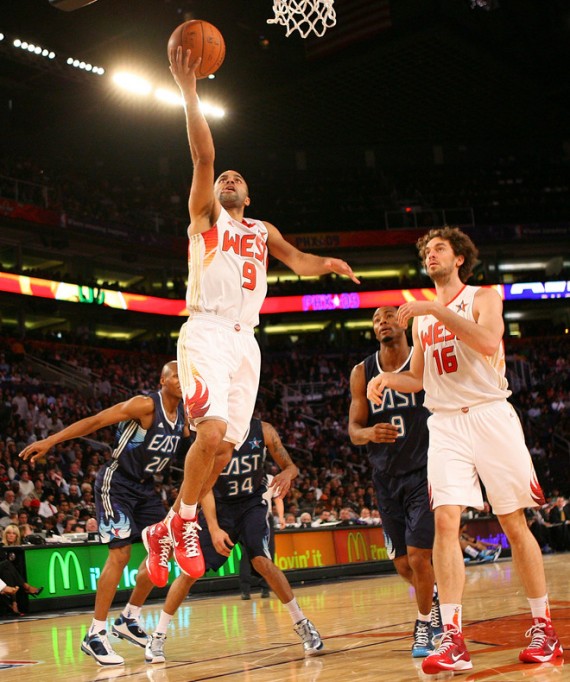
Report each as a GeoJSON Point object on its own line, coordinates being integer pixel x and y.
{"type": "Point", "coordinates": [244, 475]}
{"type": "Point", "coordinates": [405, 411]}
{"type": "Point", "coordinates": [227, 270]}
{"type": "Point", "coordinates": [455, 375]}
{"type": "Point", "coordinates": [140, 453]}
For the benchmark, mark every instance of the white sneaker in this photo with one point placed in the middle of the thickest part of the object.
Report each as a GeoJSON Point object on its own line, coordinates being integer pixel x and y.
{"type": "Point", "coordinates": [129, 629]}
{"type": "Point", "coordinates": [312, 642]}
{"type": "Point", "coordinates": [97, 645]}
{"type": "Point", "coordinates": [154, 650]}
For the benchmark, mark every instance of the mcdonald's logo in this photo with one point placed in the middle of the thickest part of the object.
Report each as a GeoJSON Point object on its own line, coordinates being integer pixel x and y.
{"type": "Point", "coordinates": [64, 564]}
{"type": "Point", "coordinates": [357, 549]}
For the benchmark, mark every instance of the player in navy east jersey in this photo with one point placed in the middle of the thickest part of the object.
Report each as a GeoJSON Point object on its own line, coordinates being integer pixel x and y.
{"type": "Point", "coordinates": [396, 435]}
{"type": "Point", "coordinates": [235, 510]}
{"type": "Point", "coordinates": [151, 429]}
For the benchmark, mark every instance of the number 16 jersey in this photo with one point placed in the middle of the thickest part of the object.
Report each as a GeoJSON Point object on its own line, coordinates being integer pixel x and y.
{"type": "Point", "coordinates": [455, 375]}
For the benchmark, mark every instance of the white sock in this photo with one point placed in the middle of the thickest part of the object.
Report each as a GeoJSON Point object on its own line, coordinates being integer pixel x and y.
{"type": "Point", "coordinates": [451, 615]}
{"type": "Point", "coordinates": [424, 619]}
{"type": "Point", "coordinates": [131, 611]}
{"type": "Point", "coordinates": [170, 514]}
{"type": "Point", "coordinates": [97, 626]}
{"type": "Point", "coordinates": [188, 511]}
{"type": "Point", "coordinates": [294, 611]}
{"type": "Point", "coordinates": [540, 608]}
{"type": "Point", "coordinates": [163, 622]}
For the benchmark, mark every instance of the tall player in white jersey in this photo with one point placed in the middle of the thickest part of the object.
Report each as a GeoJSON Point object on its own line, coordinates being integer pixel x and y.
{"type": "Point", "coordinates": [474, 433]}
{"type": "Point", "coordinates": [218, 356]}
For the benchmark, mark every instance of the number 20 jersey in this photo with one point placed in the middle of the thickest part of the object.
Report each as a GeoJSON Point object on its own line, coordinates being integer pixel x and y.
{"type": "Point", "coordinates": [140, 453]}
{"type": "Point", "coordinates": [227, 270]}
{"type": "Point", "coordinates": [455, 375]}
{"type": "Point", "coordinates": [406, 412]}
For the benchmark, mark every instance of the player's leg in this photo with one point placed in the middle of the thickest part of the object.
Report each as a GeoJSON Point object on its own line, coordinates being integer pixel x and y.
{"type": "Point", "coordinates": [96, 643]}
{"type": "Point", "coordinates": [245, 575]}
{"type": "Point", "coordinates": [148, 511]}
{"type": "Point", "coordinates": [509, 477]}
{"type": "Point", "coordinates": [454, 484]}
{"type": "Point", "coordinates": [177, 592]}
{"type": "Point", "coordinates": [254, 533]}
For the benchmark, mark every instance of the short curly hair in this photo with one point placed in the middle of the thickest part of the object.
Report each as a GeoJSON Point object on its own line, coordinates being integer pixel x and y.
{"type": "Point", "coordinates": [460, 243]}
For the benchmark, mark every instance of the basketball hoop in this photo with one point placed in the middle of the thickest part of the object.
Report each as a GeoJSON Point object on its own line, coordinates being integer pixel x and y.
{"type": "Point", "coordinates": [305, 16]}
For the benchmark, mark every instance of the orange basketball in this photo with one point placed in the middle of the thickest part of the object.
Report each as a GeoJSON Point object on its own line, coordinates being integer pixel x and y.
{"type": "Point", "coordinates": [204, 40]}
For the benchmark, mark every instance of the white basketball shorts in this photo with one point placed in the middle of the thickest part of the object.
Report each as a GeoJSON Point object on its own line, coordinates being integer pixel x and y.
{"type": "Point", "coordinates": [218, 365]}
{"type": "Point", "coordinates": [486, 442]}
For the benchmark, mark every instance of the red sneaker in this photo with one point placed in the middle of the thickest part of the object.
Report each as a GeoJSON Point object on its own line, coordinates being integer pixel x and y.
{"type": "Point", "coordinates": [451, 654]}
{"type": "Point", "coordinates": [544, 644]}
{"type": "Point", "coordinates": [186, 545]}
{"type": "Point", "coordinates": [159, 547]}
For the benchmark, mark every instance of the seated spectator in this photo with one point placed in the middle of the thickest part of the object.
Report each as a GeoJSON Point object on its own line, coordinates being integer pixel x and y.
{"type": "Point", "coordinates": [375, 515]}
{"type": "Point", "coordinates": [305, 520]}
{"type": "Point", "coordinates": [365, 517]}
{"type": "Point", "coordinates": [540, 528]}
{"type": "Point", "coordinates": [47, 506]}
{"type": "Point", "coordinates": [291, 521]}
{"type": "Point", "coordinates": [477, 550]}
{"type": "Point", "coordinates": [347, 517]}
{"type": "Point", "coordinates": [559, 518]}
{"type": "Point", "coordinates": [11, 536]}
{"type": "Point", "coordinates": [324, 519]}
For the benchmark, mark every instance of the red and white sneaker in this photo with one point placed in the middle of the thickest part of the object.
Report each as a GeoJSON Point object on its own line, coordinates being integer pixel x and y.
{"type": "Point", "coordinates": [451, 654]}
{"type": "Point", "coordinates": [186, 546]}
{"type": "Point", "coordinates": [158, 545]}
{"type": "Point", "coordinates": [544, 644]}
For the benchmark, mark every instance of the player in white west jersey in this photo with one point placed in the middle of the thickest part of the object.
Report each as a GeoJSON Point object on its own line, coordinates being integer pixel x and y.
{"type": "Point", "coordinates": [474, 433]}
{"type": "Point", "coordinates": [218, 357]}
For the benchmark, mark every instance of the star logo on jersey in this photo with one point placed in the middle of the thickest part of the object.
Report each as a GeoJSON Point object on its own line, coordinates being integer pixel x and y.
{"type": "Point", "coordinates": [255, 443]}
{"type": "Point", "coordinates": [461, 307]}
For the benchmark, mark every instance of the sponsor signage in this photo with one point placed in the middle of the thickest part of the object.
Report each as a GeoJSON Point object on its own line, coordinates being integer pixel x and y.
{"type": "Point", "coordinates": [74, 570]}
{"type": "Point", "coordinates": [357, 544]}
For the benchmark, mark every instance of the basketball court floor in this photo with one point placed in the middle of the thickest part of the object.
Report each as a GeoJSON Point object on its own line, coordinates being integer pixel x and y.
{"type": "Point", "coordinates": [366, 625]}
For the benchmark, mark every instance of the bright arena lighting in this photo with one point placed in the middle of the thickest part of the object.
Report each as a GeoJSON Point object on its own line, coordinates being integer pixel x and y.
{"type": "Point", "coordinates": [32, 48]}
{"type": "Point", "coordinates": [132, 83]}
{"type": "Point", "coordinates": [169, 97]}
{"type": "Point", "coordinates": [212, 110]}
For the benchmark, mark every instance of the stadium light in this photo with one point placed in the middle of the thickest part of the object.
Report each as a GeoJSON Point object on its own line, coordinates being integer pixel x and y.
{"type": "Point", "coordinates": [132, 83]}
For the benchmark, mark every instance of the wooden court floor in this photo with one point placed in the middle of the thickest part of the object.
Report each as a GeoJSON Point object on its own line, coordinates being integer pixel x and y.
{"type": "Point", "coordinates": [366, 625]}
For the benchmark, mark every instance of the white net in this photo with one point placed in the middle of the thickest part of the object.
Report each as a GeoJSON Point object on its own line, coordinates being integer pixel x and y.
{"type": "Point", "coordinates": [305, 16]}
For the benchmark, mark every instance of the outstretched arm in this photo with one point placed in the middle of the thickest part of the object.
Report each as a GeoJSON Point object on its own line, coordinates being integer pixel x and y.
{"type": "Point", "coordinates": [140, 408]}
{"type": "Point", "coordinates": [203, 206]}
{"type": "Point", "coordinates": [358, 431]}
{"type": "Point", "coordinates": [282, 482]}
{"type": "Point", "coordinates": [304, 263]}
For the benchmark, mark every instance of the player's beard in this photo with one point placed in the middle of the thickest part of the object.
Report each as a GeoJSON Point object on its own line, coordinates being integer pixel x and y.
{"type": "Point", "coordinates": [387, 340]}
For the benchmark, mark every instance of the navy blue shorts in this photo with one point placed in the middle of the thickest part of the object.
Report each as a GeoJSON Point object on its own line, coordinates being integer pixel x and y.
{"type": "Point", "coordinates": [407, 519]}
{"type": "Point", "coordinates": [246, 522]}
{"type": "Point", "coordinates": [124, 507]}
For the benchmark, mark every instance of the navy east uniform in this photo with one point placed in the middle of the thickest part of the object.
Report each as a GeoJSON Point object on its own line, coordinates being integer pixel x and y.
{"type": "Point", "coordinates": [400, 468]}
{"type": "Point", "coordinates": [125, 498]}
{"type": "Point", "coordinates": [241, 508]}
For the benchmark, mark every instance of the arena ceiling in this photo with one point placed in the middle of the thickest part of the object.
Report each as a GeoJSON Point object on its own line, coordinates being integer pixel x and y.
{"type": "Point", "coordinates": [435, 72]}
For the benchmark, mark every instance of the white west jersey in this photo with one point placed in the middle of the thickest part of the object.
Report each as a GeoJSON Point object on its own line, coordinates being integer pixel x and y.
{"type": "Point", "coordinates": [455, 375]}
{"type": "Point", "coordinates": [227, 270]}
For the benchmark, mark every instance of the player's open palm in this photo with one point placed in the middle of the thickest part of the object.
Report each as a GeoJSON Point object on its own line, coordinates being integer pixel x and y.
{"type": "Point", "coordinates": [183, 69]}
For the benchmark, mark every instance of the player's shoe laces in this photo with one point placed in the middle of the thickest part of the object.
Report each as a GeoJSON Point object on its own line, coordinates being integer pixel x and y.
{"type": "Point", "coordinates": [423, 644]}
{"type": "Point", "coordinates": [186, 544]}
{"type": "Point", "coordinates": [158, 545]}
{"type": "Point", "coordinates": [451, 654]}
{"type": "Point", "coordinates": [544, 644]}
{"type": "Point", "coordinates": [312, 642]}
{"type": "Point", "coordinates": [154, 650]}
{"type": "Point", "coordinates": [435, 621]}
{"type": "Point", "coordinates": [97, 645]}
{"type": "Point", "coordinates": [129, 629]}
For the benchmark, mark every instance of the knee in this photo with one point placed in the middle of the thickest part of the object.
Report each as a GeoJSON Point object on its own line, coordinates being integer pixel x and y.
{"type": "Point", "coordinates": [120, 556]}
{"type": "Point", "coordinates": [261, 564]}
{"type": "Point", "coordinates": [447, 522]}
{"type": "Point", "coordinates": [419, 560]}
{"type": "Point", "coordinates": [515, 526]}
{"type": "Point", "coordinates": [209, 436]}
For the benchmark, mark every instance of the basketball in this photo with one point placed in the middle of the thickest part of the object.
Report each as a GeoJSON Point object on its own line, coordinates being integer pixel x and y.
{"type": "Point", "coordinates": [204, 40]}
